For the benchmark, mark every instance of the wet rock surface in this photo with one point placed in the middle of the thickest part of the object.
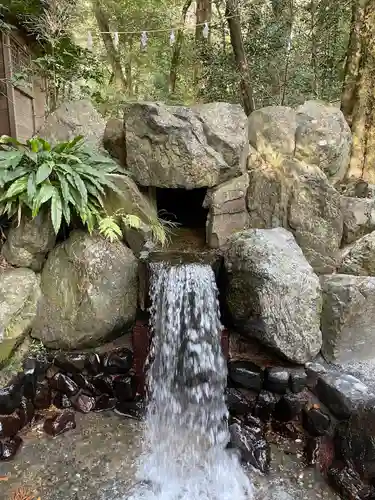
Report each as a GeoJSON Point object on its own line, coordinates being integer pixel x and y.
{"type": "Point", "coordinates": [97, 460]}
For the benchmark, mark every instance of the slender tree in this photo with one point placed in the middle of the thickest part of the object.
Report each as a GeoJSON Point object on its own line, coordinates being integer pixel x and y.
{"type": "Point", "coordinates": [234, 23]}
{"type": "Point", "coordinates": [361, 99]}
{"type": "Point", "coordinates": [112, 53]}
{"type": "Point", "coordinates": [176, 55]}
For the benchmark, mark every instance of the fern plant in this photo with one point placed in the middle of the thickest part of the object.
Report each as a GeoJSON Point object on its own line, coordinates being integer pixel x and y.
{"type": "Point", "coordinates": [67, 179]}
{"type": "Point", "coordinates": [110, 226]}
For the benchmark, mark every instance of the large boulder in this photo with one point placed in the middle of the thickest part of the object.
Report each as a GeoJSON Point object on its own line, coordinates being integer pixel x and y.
{"type": "Point", "coordinates": [348, 318]}
{"type": "Point", "coordinates": [323, 138]}
{"type": "Point", "coordinates": [315, 133]}
{"type": "Point", "coordinates": [19, 295]}
{"type": "Point", "coordinates": [27, 244]}
{"type": "Point", "coordinates": [114, 140]}
{"type": "Point", "coordinates": [273, 293]}
{"type": "Point", "coordinates": [74, 118]}
{"type": "Point", "coordinates": [180, 147]}
{"type": "Point", "coordinates": [299, 197]}
{"type": "Point", "coordinates": [358, 217]}
{"type": "Point", "coordinates": [89, 288]}
{"type": "Point", "coordinates": [128, 199]}
{"type": "Point", "coordinates": [227, 210]}
{"type": "Point", "coordinates": [359, 258]}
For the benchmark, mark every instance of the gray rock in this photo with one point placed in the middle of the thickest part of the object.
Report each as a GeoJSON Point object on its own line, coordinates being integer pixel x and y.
{"type": "Point", "coordinates": [179, 147]}
{"type": "Point", "coordinates": [358, 217]}
{"type": "Point", "coordinates": [114, 140]}
{"type": "Point", "coordinates": [271, 131]}
{"type": "Point", "coordinates": [74, 118]}
{"type": "Point", "coordinates": [273, 293]}
{"type": "Point", "coordinates": [341, 393]}
{"type": "Point", "coordinates": [19, 295]}
{"type": "Point", "coordinates": [227, 210]}
{"type": "Point", "coordinates": [90, 289]}
{"type": "Point", "coordinates": [129, 200]}
{"type": "Point", "coordinates": [323, 138]}
{"type": "Point", "coordinates": [299, 197]}
{"type": "Point", "coordinates": [348, 317]}
{"type": "Point", "coordinates": [359, 258]}
{"type": "Point", "coordinates": [27, 244]}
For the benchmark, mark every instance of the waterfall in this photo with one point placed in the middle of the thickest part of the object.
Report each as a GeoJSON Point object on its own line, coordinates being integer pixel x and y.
{"type": "Point", "coordinates": [186, 425]}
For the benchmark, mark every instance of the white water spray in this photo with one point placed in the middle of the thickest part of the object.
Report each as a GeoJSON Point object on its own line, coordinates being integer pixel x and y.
{"type": "Point", "coordinates": [186, 426]}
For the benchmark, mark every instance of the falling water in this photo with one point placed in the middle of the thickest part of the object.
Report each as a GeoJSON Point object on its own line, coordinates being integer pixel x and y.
{"type": "Point", "coordinates": [186, 425]}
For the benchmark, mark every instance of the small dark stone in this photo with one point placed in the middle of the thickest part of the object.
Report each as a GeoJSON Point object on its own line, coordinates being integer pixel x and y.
{"type": "Point", "coordinates": [59, 423]}
{"type": "Point", "coordinates": [43, 396]}
{"type": "Point", "coordinates": [288, 408]}
{"type": "Point", "coordinates": [10, 398]}
{"type": "Point", "coordinates": [131, 409]}
{"type": "Point", "coordinates": [9, 448]}
{"type": "Point", "coordinates": [118, 363]}
{"type": "Point", "coordinates": [311, 450]}
{"type": "Point", "coordinates": [348, 483]}
{"type": "Point", "coordinates": [61, 401]}
{"type": "Point", "coordinates": [245, 374]}
{"type": "Point", "coordinates": [103, 384]}
{"type": "Point", "coordinates": [315, 421]}
{"type": "Point", "coordinates": [298, 380]}
{"type": "Point", "coordinates": [265, 405]}
{"type": "Point", "coordinates": [253, 422]}
{"type": "Point", "coordinates": [237, 403]}
{"type": "Point", "coordinates": [70, 362]}
{"type": "Point", "coordinates": [30, 377]}
{"type": "Point", "coordinates": [124, 388]}
{"type": "Point", "coordinates": [9, 425]}
{"type": "Point", "coordinates": [51, 372]}
{"type": "Point", "coordinates": [84, 384]}
{"type": "Point", "coordinates": [64, 384]}
{"type": "Point", "coordinates": [82, 402]}
{"type": "Point", "coordinates": [26, 412]}
{"type": "Point", "coordinates": [104, 402]}
{"type": "Point", "coordinates": [276, 380]}
{"type": "Point", "coordinates": [93, 364]}
{"type": "Point", "coordinates": [341, 393]}
{"type": "Point", "coordinates": [253, 446]}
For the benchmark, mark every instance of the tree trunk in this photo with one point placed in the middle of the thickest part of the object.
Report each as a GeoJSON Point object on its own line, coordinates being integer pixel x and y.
{"type": "Point", "coordinates": [362, 162]}
{"type": "Point", "coordinates": [203, 15]}
{"type": "Point", "coordinates": [177, 49]}
{"type": "Point", "coordinates": [353, 59]}
{"type": "Point", "coordinates": [233, 18]}
{"type": "Point", "coordinates": [112, 53]}
{"type": "Point", "coordinates": [314, 58]}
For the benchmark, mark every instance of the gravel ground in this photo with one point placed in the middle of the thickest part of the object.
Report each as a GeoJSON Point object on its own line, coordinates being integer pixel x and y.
{"type": "Point", "coordinates": [97, 461]}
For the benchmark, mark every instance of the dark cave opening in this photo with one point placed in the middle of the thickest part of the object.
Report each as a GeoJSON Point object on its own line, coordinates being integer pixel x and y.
{"type": "Point", "coordinates": [182, 206]}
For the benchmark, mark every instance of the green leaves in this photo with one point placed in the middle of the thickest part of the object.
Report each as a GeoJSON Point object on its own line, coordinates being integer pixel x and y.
{"type": "Point", "coordinates": [67, 180]}
{"type": "Point", "coordinates": [43, 172]}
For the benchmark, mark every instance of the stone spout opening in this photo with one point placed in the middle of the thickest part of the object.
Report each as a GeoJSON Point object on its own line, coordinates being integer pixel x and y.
{"type": "Point", "coordinates": [182, 207]}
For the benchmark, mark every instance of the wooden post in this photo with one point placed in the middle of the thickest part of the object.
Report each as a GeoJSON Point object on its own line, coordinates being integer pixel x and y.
{"type": "Point", "coordinates": [7, 54]}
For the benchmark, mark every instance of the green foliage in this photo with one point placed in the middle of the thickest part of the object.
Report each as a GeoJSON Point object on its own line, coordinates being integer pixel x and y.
{"type": "Point", "coordinates": [111, 226]}
{"type": "Point", "coordinates": [66, 179]}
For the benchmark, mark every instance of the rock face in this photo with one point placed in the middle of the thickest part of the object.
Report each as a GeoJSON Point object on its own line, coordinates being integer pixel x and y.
{"type": "Point", "coordinates": [114, 140]}
{"type": "Point", "coordinates": [227, 210]}
{"type": "Point", "coordinates": [19, 295]}
{"type": "Point", "coordinates": [348, 317]}
{"type": "Point", "coordinates": [323, 138]}
{"type": "Point", "coordinates": [358, 217]}
{"type": "Point", "coordinates": [27, 244]}
{"type": "Point", "coordinates": [314, 133]}
{"type": "Point", "coordinates": [179, 147]}
{"type": "Point", "coordinates": [359, 258]}
{"type": "Point", "coordinates": [74, 118]}
{"type": "Point", "coordinates": [89, 291]}
{"type": "Point", "coordinates": [273, 293]}
{"type": "Point", "coordinates": [299, 197]}
{"type": "Point", "coordinates": [130, 200]}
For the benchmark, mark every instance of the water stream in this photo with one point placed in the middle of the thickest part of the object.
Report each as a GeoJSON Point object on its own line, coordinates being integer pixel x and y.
{"type": "Point", "coordinates": [185, 456]}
